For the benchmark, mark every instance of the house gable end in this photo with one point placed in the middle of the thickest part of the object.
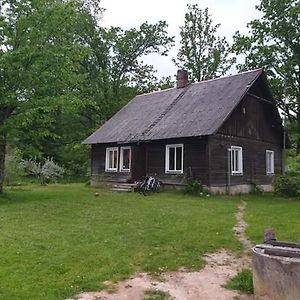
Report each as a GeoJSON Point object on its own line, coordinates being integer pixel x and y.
{"type": "Point", "coordinates": [255, 117]}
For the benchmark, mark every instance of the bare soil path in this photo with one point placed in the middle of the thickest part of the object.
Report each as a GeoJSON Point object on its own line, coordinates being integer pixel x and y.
{"type": "Point", "coordinates": [205, 284]}
{"type": "Point", "coordinates": [241, 226]}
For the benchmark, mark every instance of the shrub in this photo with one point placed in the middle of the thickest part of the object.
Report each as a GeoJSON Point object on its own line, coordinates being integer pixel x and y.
{"type": "Point", "coordinates": [47, 172]}
{"type": "Point", "coordinates": [294, 163]}
{"type": "Point", "coordinates": [193, 185]}
{"type": "Point", "coordinates": [288, 184]}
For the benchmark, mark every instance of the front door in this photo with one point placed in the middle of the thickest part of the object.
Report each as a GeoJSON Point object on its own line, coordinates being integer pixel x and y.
{"type": "Point", "coordinates": [138, 162]}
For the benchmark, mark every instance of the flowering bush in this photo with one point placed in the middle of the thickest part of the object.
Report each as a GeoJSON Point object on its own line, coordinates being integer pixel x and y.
{"type": "Point", "coordinates": [47, 172]}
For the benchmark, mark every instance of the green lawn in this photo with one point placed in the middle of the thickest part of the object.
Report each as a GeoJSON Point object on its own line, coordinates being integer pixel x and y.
{"type": "Point", "coordinates": [281, 214]}
{"type": "Point", "coordinates": [58, 240]}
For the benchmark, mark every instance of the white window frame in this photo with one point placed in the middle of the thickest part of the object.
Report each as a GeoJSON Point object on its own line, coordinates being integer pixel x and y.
{"type": "Point", "coordinates": [107, 168]}
{"type": "Point", "coordinates": [122, 157]}
{"type": "Point", "coordinates": [240, 160]}
{"type": "Point", "coordinates": [271, 170]}
{"type": "Point", "coordinates": [167, 167]}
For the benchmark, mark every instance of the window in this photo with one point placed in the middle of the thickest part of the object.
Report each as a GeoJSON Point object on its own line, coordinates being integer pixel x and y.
{"type": "Point", "coordinates": [125, 159]}
{"type": "Point", "coordinates": [236, 160]}
{"type": "Point", "coordinates": [174, 158]}
{"type": "Point", "coordinates": [269, 162]}
{"type": "Point", "coordinates": [111, 163]}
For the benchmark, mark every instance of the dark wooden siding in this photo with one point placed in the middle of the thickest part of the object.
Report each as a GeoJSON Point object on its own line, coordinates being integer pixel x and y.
{"type": "Point", "coordinates": [98, 164]}
{"type": "Point", "coordinates": [194, 159]}
{"type": "Point", "coordinates": [138, 162]}
{"type": "Point", "coordinates": [253, 119]}
{"type": "Point", "coordinates": [252, 126]}
{"type": "Point", "coordinates": [98, 159]}
{"type": "Point", "coordinates": [254, 160]}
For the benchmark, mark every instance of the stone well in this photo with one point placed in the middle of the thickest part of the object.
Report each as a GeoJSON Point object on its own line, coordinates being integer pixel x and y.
{"type": "Point", "coordinates": [276, 271]}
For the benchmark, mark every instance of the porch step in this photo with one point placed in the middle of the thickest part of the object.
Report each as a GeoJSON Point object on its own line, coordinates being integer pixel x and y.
{"type": "Point", "coordinates": [123, 187]}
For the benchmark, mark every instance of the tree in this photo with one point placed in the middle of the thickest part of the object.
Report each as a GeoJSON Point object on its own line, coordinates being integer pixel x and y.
{"type": "Point", "coordinates": [41, 57]}
{"type": "Point", "coordinates": [115, 67]}
{"type": "Point", "coordinates": [274, 43]}
{"type": "Point", "coordinates": [202, 52]}
{"type": "Point", "coordinates": [62, 75]}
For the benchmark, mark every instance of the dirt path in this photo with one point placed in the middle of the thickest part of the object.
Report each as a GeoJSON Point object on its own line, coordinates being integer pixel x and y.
{"type": "Point", "coordinates": [205, 284]}
{"type": "Point", "coordinates": [241, 226]}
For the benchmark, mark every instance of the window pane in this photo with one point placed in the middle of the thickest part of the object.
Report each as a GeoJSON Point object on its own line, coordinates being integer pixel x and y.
{"type": "Point", "coordinates": [178, 158]}
{"type": "Point", "coordinates": [110, 159]}
{"type": "Point", "coordinates": [233, 160]}
{"type": "Point", "coordinates": [236, 160]}
{"type": "Point", "coordinates": [270, 162]}
{"type": "Point", "coordinates": [237, 167]}
{"type": "Point", "coordinates": [126, 159]}
{"type": "Point", "coordinates": [115, 158]}
{"type": "Point", "coordinates": [171, 158]}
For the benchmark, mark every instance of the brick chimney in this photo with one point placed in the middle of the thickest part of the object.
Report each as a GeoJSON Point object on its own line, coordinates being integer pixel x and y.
{"type": "Point", "coordinates": [182, 79]}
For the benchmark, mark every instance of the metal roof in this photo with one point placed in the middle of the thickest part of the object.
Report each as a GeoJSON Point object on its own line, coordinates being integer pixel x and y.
{"type": "Point", "coordinates": [198, 109]}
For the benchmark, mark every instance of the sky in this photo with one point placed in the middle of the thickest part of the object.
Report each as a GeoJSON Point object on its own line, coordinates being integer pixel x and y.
{"type": "Point", "coordinates": [232, 14]}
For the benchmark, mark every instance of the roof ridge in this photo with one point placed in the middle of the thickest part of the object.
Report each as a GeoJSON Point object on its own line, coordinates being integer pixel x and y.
{"type": "Point", "coordinates": [203, 81]}
{"type": "Point", "coordinates": [228, 76]}
{"type": "Point", "coordinates": [159, 91]}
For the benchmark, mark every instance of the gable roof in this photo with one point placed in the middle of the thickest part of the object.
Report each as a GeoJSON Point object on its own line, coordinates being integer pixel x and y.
{"type": "Point", "coordinates": [198, 109]}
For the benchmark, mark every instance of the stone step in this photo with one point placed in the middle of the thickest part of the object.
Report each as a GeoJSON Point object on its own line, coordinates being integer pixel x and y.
{"type": "Point", "coordinates": [124, 185]}
{"type": "Point", "coordinates": [118, 189]}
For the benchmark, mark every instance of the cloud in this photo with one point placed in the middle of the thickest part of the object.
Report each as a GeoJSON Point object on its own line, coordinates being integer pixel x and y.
{"type": "Point", "coordinates": [232, 14]}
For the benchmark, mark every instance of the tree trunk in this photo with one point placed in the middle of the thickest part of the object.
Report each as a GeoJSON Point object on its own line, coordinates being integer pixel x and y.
{"type": "Point", "coordinates": [298, 125]}
{"type": "Point", "coordinates": [2, 159]}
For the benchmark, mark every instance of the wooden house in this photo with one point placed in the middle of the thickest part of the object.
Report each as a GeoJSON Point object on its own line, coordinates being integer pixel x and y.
{"type": "Point", "coordinates": [226, 132]}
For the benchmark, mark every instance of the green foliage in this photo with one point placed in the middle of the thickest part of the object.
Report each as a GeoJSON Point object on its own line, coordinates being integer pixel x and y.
{"type": "Point", "coordinates": [242, 282]}
{"type": "Point", "coordinates": [204, 54]}
{"type": "Point", "coordinates": [41, 74]}
{"type": "Point", "coordinates": [74, 241]}
{"type": "Point", "coordinates": [273, 43]}
{"type": "Point", "coordinates": [14, 170]}
{"type": "Point", "coordinates": [288, 184]}
{"type": "Point", "coordinates": [293, 163]}
{"type": "Point", "coordinates": [46, 172]}
{"type": "Point", "coordinates": [62, 75]}
{"type": "Point", "coordinates": [156, 295]}
{"type": "Point", "coordinates": [193, 186]}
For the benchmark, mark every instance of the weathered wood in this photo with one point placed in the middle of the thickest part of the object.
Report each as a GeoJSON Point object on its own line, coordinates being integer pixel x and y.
{"type": "Point", "coordinates": [194, 157]}
{"type": "Point", "coordinates": [269, 236]}
{"type": "Point", "coordinates": [252, 119]}
{"type": "Point", "coordinates": [138, 162]}
{"type": "Point", "coordinates": [284, 244]}
{"type": "Point", "coordinates": [282, 252]}
{"type": "Point", "coordinates": [253, 124]}
{"type": "Point", "coordinates": [254, 160]}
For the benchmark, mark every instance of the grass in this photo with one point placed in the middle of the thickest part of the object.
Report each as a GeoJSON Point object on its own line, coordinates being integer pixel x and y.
{"type": "Point", "coordinates": [155, 295]}
{"type": "Point", "coordinates": [242, 282]}
{"type": "Point", "coordinates": [269, 211]}
{"type": "Point", "coordinates": [59, 240]}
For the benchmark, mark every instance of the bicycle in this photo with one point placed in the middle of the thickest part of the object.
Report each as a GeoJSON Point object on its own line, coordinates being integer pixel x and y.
{"type": "Point", "coordinates": [148, 184]}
